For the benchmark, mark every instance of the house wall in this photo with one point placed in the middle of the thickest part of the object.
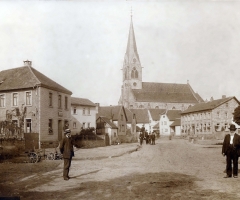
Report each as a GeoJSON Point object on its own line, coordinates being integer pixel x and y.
{"type": "Point", "coordinates": [121, 123]}
{"type": "Point", "coordinates": [164, 125]}
{"type": "Point", "coordinates": [53, 112]}
{"type": "Point", "coordinates": [79, 117]}
{"type": "Point", "coordinates": [210, 121]}
{"type": "Point", "coordinates": [32, 110]}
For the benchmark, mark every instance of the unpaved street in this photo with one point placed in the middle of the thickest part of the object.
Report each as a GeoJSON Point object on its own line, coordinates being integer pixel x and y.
{"type": "Point", "coordinates": [171, 169]}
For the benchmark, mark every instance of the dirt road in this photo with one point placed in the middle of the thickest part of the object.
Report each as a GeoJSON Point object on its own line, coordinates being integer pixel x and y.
{"type": "Point", "coordinates": [171, 169]}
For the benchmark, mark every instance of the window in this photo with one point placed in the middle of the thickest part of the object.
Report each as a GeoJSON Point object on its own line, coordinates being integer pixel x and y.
{"type": "Point", "coordinates": [83, 112]}
{"type": "Point", "coordinates": [28, 98]}
{"type": "Point", "coordinates": [50, 99]}
{"type": "Point", "coordinates": [89, 124]}
{"type": "Point", "coordinates": [122, 117]}
{"type": "Point", "coordinates": [226, 114]}
{"type": "Point", "coordinates": [74, 110]}
{"type": "Point", "coordinates": [165, 123]}
{"type": "Point", "coordinates": [227, 105]}
{"type": "Point", "coordinates": [134, 73]}
{"type": "Point", "coordinates": [74, 125]}
{"type": "Point", "coordinates": [50, 125]}
{"type": "Point", "coordinates": [218, 114]}
{"type": "Point", "coordinates": [89, 111]}
{"type": "Point", "coordinates": [28, 125]}
{"type": "Point", "coordinates": [15, 99]}
{"type": "Point", "coordinates": [83, 125]}
{"type": "Point", "coordinates": [123, 128]}
{"type": "Point", "coordinates": [2, 100]}
{"type": "Point", "coordinates": [59, 101]}
{"type": "Point", "coordinates": [166, 130]}
{"type": "Point", "coordinates": [66, 103]}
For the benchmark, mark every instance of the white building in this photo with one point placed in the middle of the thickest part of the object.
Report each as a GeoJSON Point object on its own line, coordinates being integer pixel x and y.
{"type": "Point", "coordinates": [83, 113]}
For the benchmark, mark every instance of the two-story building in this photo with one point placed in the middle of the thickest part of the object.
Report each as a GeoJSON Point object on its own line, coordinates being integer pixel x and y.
{"type": "Point", "coordinates": [83, 114]}
{"type": "Point", "coordinates": [34, 104]}
{"type": "Point", "coordinates": [211, 117]}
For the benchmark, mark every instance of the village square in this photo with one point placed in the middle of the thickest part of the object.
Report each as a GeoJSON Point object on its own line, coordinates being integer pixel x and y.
{"type": "Point", "coordinates": [114, 159]}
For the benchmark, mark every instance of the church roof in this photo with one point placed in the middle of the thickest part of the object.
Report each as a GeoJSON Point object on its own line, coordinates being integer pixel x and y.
{"type": "Point", "coordinates": [166, 92]}
{"type": "Point", "coordinates": [27, 77]}
{"type": "Point", "coordinates": [208, 105]}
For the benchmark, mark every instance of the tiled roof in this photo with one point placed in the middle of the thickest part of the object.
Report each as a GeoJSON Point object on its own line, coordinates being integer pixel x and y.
{"type": "Point", "coordinates": [208, 105]}
{"type": "Point", "coordinates": [177, 122]}
{"type": "Point", "coordinates": [82, 102]}
{"type": "Point", "coordinates": [111, 112]}
{"type": "Point", "coordinates": [141, 115]}
{"type": "Point", "coordinates": [155, 113]}
{"type": "Point", "coordinates": [109, 122]}
{"type": "Point", "coordinates": [165, 92]}
{"type": "Point", "coordinates": [27, 77]}
{"type": "Point", "coordinates": [173, 114]}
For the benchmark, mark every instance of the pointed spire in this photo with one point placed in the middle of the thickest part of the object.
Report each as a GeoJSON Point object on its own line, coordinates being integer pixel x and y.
{"type": "Point", "coordinates": [131, 45]}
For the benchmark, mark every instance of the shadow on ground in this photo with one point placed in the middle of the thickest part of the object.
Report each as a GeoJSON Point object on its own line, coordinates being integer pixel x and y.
{"type": "Point", "coordinates": [135, 186]}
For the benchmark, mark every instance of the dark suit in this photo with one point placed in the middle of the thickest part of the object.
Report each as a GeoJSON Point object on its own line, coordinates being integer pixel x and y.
{"type": "Point", "coordinates": [66, 148]}
{"type": "Point", "coordinates": [231, 152]}
{"type": "Point", "coordinates": [141, 138]}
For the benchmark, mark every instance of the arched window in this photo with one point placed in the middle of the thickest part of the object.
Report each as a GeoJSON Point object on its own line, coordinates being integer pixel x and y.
{"type": "Point", "coordinates": [141, 106]}
{"type": "Point", "coordinates": [157, 107]}
{"type": "Point", "coordinates": [134, 73]}
{"type": "Point", "coordinates": [125, 74]}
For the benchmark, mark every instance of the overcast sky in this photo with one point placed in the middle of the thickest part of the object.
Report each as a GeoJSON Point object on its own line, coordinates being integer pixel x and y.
{"type": "Point", "coordinates": [81, 44]}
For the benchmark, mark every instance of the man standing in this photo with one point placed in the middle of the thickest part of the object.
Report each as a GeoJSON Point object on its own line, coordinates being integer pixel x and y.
{"type": "Point", "coordinates": [230, 150]}
{"type": "Point", "coordinates": [66, 148]}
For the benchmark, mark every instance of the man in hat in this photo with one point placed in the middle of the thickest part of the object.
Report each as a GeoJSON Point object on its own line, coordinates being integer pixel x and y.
{"type": "Point", "coordinates": [66, 148]}
{"type": "Point", "coordinates": [231, 145]}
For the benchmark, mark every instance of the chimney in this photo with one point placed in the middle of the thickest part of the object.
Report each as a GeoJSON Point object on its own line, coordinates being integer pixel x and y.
{"type": "Point", "coordinates": [187, 81]}
{"type": "Point", "coordinates": [27, 63]}
{"type": "Point", "coordinates": [211, 99]}
{"type": "Point", "coordinates": [224, 96]}
{"type": "Point", "coordinates": [97, 106]}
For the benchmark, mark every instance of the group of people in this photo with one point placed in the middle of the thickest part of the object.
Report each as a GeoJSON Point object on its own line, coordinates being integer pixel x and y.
{"type": "Point", "coordinates": [149, 137]}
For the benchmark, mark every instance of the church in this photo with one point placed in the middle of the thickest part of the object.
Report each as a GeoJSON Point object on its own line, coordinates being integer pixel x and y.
{"type": "Point", "coordinates": [136, 94]}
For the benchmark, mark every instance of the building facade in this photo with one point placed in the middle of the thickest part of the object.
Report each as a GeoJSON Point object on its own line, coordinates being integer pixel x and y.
{"type": "Point", "coordinates": [83, 114]}
{"type": "Point", "coordinates": [211, 117]}
{"type": "Point", "coordinates": [136, 94]}
{"type": "Point", "coordinates": [30, 102]}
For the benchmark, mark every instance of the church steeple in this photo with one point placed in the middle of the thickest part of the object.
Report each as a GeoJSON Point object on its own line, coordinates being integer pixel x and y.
{"type": "Point", "coordinates": [132, 70]}
{"type": "Point", "coordinates": [131, 51]}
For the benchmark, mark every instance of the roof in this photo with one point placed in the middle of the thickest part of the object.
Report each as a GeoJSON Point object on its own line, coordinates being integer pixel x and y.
{"type": "Point", "coordinates": [111, 112]}
{"type": "Point", "coordinates": [208, 105]}
{"type": "Point", "coordinates": [129, 115]}
{"type": "Point", "coordinates": [141, 115]}
{"type": "Point", "coordinates": [82, 102]}
{"type": "Point", "coordinates": [177, 122]}
{"type": "Point", "coordinates": [27, 77]}
{"type": "Point", "coordinates": [166, 92]}
{"type": "Point", "coordinates": [173, 114]}
{"type": "Point", "coordinates": [156, 126]}
{"type": "Point", "coordinates": [155, 113]}
{"type": "Point", "coordinates": [111, 124]}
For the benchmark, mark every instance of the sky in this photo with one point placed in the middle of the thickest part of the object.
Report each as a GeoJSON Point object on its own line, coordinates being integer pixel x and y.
{"type": "Point", "coordinates": [81, 44]}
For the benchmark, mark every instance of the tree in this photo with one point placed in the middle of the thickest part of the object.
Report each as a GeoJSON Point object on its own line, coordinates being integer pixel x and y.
{"type": "Point", "coordinates": [236, 115]}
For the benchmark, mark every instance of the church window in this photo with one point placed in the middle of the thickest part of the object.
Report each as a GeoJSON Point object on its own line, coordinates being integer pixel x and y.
{"type": "Point", "coordinates": [157, 107]}
{"type": "Point", "coordinates": [134, 73]}
{"type": "Point", "coordinates": [126, 74]}
{"type": "Point", "coordinates": [173, 108]}
{"type": "Point", "coordinates": [134, 84]}
{"type": "Point", "coordinates": [141, 106]}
